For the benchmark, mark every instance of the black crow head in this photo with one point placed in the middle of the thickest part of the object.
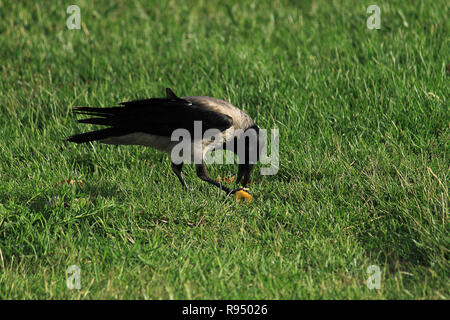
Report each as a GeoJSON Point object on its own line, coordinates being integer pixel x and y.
{"type": "Point", "coordinates": [249, 147]}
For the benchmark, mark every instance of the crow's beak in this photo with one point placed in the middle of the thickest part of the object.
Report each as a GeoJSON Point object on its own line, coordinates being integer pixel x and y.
{"type": "Point", "coordinates": [244, 172]}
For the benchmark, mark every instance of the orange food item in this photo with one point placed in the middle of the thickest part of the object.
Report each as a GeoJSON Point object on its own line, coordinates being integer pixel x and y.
{"type": "Point", "coordinates": [243, 195]}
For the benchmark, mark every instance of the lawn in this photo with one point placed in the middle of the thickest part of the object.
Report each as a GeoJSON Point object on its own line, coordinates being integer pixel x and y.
{"type": "Point", "coordinates": [363, 122]}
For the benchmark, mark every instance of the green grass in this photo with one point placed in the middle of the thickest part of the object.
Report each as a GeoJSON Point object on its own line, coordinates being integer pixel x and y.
{"type": "Point", "coordinates": [364, 151]}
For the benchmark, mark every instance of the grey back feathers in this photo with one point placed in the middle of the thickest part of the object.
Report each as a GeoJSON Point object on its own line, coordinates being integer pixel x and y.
{"type": "Point", "coordinates": [240, 119]}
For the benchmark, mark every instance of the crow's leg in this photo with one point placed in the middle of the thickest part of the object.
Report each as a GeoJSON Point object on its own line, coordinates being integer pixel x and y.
{"type": "Point", "coordinates": [176, 168]}
{"type": "Point", "coordinates": [203, 174]}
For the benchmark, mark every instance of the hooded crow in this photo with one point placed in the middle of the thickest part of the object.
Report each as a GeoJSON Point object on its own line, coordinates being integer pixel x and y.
{"type": "Point", "coordinates": [151, 123]}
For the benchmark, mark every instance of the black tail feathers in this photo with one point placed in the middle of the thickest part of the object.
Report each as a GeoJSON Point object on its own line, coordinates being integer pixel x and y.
{"type": "Point", "coordinates": [97, 135]}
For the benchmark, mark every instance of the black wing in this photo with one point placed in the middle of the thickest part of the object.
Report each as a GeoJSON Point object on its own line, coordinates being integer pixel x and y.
{"type": "Point", "coordinates": [158, 116]}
